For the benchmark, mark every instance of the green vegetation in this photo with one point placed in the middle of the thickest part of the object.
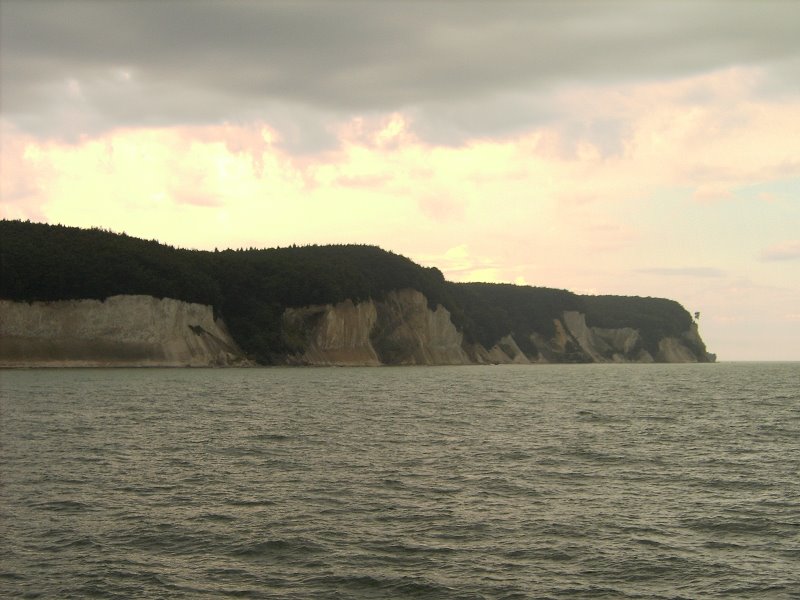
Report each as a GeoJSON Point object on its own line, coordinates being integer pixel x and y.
{"type": "Point", "coordinates": [52, 262]}
{"type": "Point", "coordinates": [248, 288]}
{"type": "Point", "coordinates": [655, 318]}
{"type": "Point", "coordinates": [251, 288]}
{"type": "Point", "coordinates": [493, 310]}
{"type": "Point", "coordinates": [496, 309]}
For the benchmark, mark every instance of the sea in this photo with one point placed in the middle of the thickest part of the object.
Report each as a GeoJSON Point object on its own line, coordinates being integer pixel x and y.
{"type": "Point", "coordinates": [474, 482]}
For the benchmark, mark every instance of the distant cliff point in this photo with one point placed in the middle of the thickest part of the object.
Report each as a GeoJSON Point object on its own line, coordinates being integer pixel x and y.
{"type": "Point", "coordinates": [74, 296]}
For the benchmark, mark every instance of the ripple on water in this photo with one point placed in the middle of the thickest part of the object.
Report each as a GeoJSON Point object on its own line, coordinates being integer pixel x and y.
{"type": "Point", "coordinates": [656, 481]}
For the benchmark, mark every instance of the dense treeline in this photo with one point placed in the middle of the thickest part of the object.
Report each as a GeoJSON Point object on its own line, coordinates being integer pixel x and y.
{"type": "Point", "coordinates": [251, 288]}
{"type": "Point", "coordinates": [52, 262]}
{"type": "Point", "coordinates": [493, 310]}
{"type": "Point", "coordinates": [655, 318]}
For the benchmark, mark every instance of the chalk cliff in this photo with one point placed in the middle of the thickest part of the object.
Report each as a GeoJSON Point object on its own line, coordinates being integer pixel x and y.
{"type": "Point", "coordinates": [399, 329]}
{"type": "Point", "coordinates": [331, 334]}
{"type": "Point", "coordinates": [403, 330]}
{"type": "Point", "coordinates": [120, 331]}
{"type": "Point", "coordinates": [343, 304]}
{"type": "Point", "coordinates": [609, 345]}
{"type": "Point", "coordinates": [682, 349]}
{"type": "Point", "coordinates": [505, 351]}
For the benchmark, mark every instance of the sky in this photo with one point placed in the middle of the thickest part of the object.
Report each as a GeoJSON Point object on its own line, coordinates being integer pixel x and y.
{"type": "Point", "coordinates": [627, 147]}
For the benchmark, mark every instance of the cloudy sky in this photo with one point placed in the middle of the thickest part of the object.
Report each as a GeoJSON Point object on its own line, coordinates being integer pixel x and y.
{"type": "Point", "coordinates": [642, 148]}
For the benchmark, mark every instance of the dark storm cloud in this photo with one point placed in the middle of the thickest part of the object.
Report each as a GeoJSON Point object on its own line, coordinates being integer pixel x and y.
{"type": "Point", "coordinates": [74, 66]}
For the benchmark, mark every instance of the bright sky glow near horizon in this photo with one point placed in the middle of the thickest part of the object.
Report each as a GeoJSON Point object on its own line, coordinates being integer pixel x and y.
{"type": "Point", "coordinates": [637, 148]}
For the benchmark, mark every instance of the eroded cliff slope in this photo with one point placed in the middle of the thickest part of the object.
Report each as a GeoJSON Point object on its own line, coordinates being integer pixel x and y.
{"type": "Point", "coordinates": [120, 331]}
{"type": "Point", "coordinates": [403, 330]}
{"type": "Point", "coordinates": [400, 329]}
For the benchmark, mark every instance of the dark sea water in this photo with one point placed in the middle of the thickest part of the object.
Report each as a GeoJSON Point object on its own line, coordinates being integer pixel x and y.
{"type": "Point", "coordinates": [585, 481]}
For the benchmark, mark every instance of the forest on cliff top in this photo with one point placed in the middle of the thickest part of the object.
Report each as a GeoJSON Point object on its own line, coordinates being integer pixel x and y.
{"type": "Point", "coordinates": [250, 288]}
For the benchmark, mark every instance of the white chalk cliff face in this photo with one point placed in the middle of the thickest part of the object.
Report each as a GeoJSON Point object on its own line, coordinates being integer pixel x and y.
{"type": "Point", "coordinates": [403, 330]}
{"type": "Point", "coordinates": [332, 334]}
{"type": "Point", "coordinates": [120, 331]}
{"type": "Point", "coordinates": [674, 349]}
{"type": "Point", "coordinates": [505, 351]}
{"type": "Point", "coordinates": [606, 345]}
{"type": "Point", "coordinates": [400, 329]}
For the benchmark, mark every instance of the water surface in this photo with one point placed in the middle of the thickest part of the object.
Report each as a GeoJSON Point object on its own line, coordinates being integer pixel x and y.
{"type": "Point", "coordinates": [562, 481]}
